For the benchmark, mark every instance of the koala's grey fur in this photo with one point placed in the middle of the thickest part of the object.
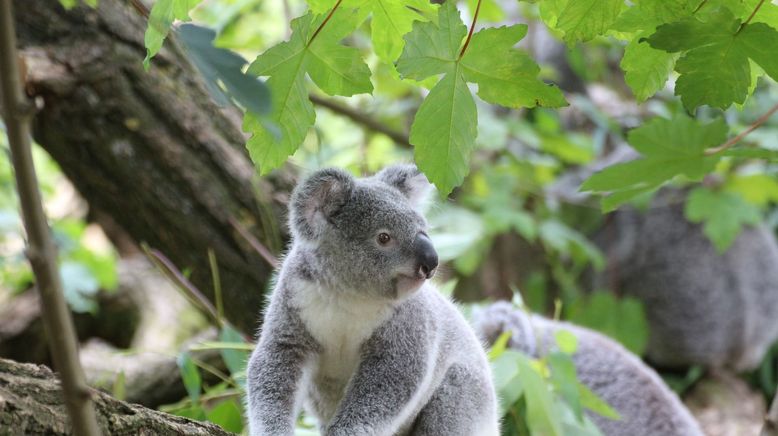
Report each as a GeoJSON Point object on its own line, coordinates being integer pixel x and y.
{"type": "Point", "coordinates": [353, 333]}
{"type": "Point", "coordinates": [647, 407]}
{"type": "Point", "coordinates": [702, 307]}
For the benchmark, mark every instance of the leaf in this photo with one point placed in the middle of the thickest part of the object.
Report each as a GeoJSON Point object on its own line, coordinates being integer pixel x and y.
{"type": "Point", "coordinates": [582, 20]}
{"type": "Point", "coordinates": [752, 153]}
{"type": "Point", "coordinates": [433, 48]}
{"type": "Point", "coordinates": [444, 131]}
{"type": "Point", "coordinates": [506, 76]}
{"type": "Point", "coordinates": [757, 189]}
{"type": "Point", "coordinates": [445, 127]}
{"type": "Point", "coordinates": [218, 65]}
{"type": "Point", "coordinates": [119, 388]}
{"type": "Point", "coordinates": [670, 148]}
{"type": "Point", "coordinates": [646, 69]}
{"type": "Point", "coordinates": [723, 215]}
{"type": "Point", "coordinates": [190, 375]}
{"type": "Point", "coordinates": [79, 286]}
{"type": "Point", "coordinates": [160, 19]}
{"type": "Point", "coordinates": [714, 68]}
{"type": "Point", "coordinates": [565, 381]}
{"type": "Point", "coordinates": [499, 345]}
{"type": "Point", "coordinates": [566, 341]}
{"type": "Point", "coordinates": [623, 319]}
{"type": "Point", "coordinates": [336, 69]}
{"type": "Point", "coordinates": [591, 401]}
{"type": "Point", "coordinates": [234, 359]}
{"type": "Point", "coordinates": [227, 415]}
{"type": "Point", "coordinates": [647, 14]}
{"type": "Point", "coordinates": [392, 19]}
{"type": "Point", "coordinates": [541, 418]}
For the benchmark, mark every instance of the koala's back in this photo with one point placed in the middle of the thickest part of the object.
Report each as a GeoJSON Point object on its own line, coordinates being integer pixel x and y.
{"type": "Point", "coordinates": [703, 307]}
{"type": "Point", "coordinates": [646, 406]}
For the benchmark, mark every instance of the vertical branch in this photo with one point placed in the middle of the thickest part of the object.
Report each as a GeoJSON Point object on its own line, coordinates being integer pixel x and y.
{"type": "Point", "coordinates": [40, 247]}
{"type": "Point", "coordinates": [771, 420]}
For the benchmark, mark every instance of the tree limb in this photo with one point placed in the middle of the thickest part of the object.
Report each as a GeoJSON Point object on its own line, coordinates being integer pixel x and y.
{"type": "Point", "coordinates": [360, 118]}
{"type": "Point", "coordinates": [40, 246]}
{"type": "Point", "coordinates": [31, 404]}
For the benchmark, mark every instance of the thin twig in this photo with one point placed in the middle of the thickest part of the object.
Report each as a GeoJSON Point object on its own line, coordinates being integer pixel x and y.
{"type": "Point", "coordinates": [194, 295]}
{"type": "Point", "coordinates": [41, 251]}
{"type": "Point", "coordinates": [472, 27]}
{"type": "Point", "coordinates": [761, 120]}
{"type": "Point", "coordinates": [217, 284]}
{"type": "Point", "coordinates": [750, 17]}
{"type": "Point", "coordinates": [360, 118]}
{"type": "Point", "coordinates": [255, 244]}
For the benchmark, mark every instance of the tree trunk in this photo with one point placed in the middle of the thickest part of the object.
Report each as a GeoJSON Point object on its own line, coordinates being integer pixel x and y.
{"type": "Point", "coordinates": [150, 149]}
{"type": "Point", "coordinates": [31, 404]}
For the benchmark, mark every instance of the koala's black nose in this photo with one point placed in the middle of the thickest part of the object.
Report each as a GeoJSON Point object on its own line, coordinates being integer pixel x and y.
{"type": "Point", "coordinates": [426, 256]}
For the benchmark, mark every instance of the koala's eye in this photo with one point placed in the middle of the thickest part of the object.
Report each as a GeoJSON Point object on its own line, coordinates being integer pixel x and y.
{"type": "Point", "coordinates": [384, 238]}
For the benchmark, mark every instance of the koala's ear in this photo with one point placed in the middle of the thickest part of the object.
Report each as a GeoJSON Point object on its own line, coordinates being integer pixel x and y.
{"type": "Point", "coordinates": [408, 180]}
{"type": "Point", "coordinates": [316, 199]}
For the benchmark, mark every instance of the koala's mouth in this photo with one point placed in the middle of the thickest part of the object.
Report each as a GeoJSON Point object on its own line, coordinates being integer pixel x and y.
{"type": "Point", "coordinates": [409, 283]}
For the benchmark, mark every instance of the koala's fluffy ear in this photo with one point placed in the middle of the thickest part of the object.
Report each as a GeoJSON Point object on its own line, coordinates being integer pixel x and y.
{"type": "Point", "coordinates": [316, 199]}
{"type": "Point", "coordinates": [408, 180]}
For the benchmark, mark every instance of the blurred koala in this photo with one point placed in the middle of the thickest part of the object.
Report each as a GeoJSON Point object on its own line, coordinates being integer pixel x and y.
{"type": "Point", "coordinates": [646, 406]}
{"type": "Point", "coordinates": [354, 332]}
{"type": "Point", "coordinates": [717, 310]}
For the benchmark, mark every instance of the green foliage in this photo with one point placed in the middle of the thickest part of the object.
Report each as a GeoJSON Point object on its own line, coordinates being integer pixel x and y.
{"type": "Point", "coordinates": [715, 65]}
{"type": "Point", "coordinates": [190, 375]}
{"type": "Point", "coordinates": [444, 129]}
{"type": "Point", "coordinates": [220, 66]}
{"type": "Point", "coordinates": [723, 214]}
{"type": "Point", "coordinates": [543, 396]}
{"type": "Point", "coordinates": [162, 15]}
{"type": "Point", "coordinates": [312, 49]}
{"type": "Point", "coordinates": [623, 319]}
{"type": "Point", "coordinates": [669, 148]}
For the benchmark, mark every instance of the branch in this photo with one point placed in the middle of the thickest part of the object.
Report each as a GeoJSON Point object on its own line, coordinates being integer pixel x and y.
{"type": "Point", "coordinates": [750, 17]}
{"type": "Point", "coordinates": [771, 420]}
{"type": "Point", "coordinates": [32, 404]}
{"type": "Point", "coordinates": [761, 120]}
{"type": "Point", "coordinates": [472, 28]}
{"type": "Point", "coordinates": [40, 247]}
{"type": "Point", "coordinates": [360, 118]}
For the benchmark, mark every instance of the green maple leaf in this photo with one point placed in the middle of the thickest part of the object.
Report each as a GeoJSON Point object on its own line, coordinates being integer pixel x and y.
{"type": "Point", "coordinates": [391, 19]}
{"type": "Point", "coordinates": [714, 68]}
{"type": "Point", "coordinates": [581, 20]}
{"type": "Point", "coordinates": [669, 148]}
{"type": "Point", "coordinates": [445, 127]}
{"type": "Point", "coordinates": [161, 17]}
{"type": "Point", "coordinates": [336, 69]}
{"type": "Point", "coordinates": [723, 214]}
{"type": "Point", "coordinates": [646, 69]}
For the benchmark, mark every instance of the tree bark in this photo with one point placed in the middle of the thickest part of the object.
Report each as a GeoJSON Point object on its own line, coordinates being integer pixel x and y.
{"type": "Point", "coordinates": [151, 149]}
{"type": "Point", "coordinates": [31, 404]}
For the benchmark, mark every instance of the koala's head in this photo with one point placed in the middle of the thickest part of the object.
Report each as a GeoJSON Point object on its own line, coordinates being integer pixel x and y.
{"type": "Point", "coordinates": [367, 235]}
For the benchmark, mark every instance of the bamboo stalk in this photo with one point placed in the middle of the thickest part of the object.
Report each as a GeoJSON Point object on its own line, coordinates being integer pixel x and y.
{"type": "Point", "coordinates": [40, 247]}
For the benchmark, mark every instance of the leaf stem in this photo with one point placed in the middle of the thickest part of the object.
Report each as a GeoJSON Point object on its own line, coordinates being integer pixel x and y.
{"type": "Point", "coordinates": [750, 17]}
{"type": "Point", "coordinates": [699, 6]}
{"type": "Point", "coordinates": [472, 27]}
{"type": "Point", "coordinates": [321, 26]}
{"type": "Point", "coordinates": [755, 125]}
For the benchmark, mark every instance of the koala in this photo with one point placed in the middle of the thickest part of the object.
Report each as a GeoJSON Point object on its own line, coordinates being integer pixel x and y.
{"type": "Point", "coordinates": [716, 310]}
{"type": "Point", "coordinates": [646, 406]}
{"type": "Point", "coordinates": [354, 332]}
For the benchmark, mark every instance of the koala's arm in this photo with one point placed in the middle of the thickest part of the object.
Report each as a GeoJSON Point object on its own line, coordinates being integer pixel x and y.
{"type": "Point", "coordinates": [274, 372]}
{"type": "Point", "coordinates": [393, 369]}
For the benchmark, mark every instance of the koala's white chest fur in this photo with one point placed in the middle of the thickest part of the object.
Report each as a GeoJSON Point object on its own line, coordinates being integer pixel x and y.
{"type": "Point", "coordinates": [340, 325]}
